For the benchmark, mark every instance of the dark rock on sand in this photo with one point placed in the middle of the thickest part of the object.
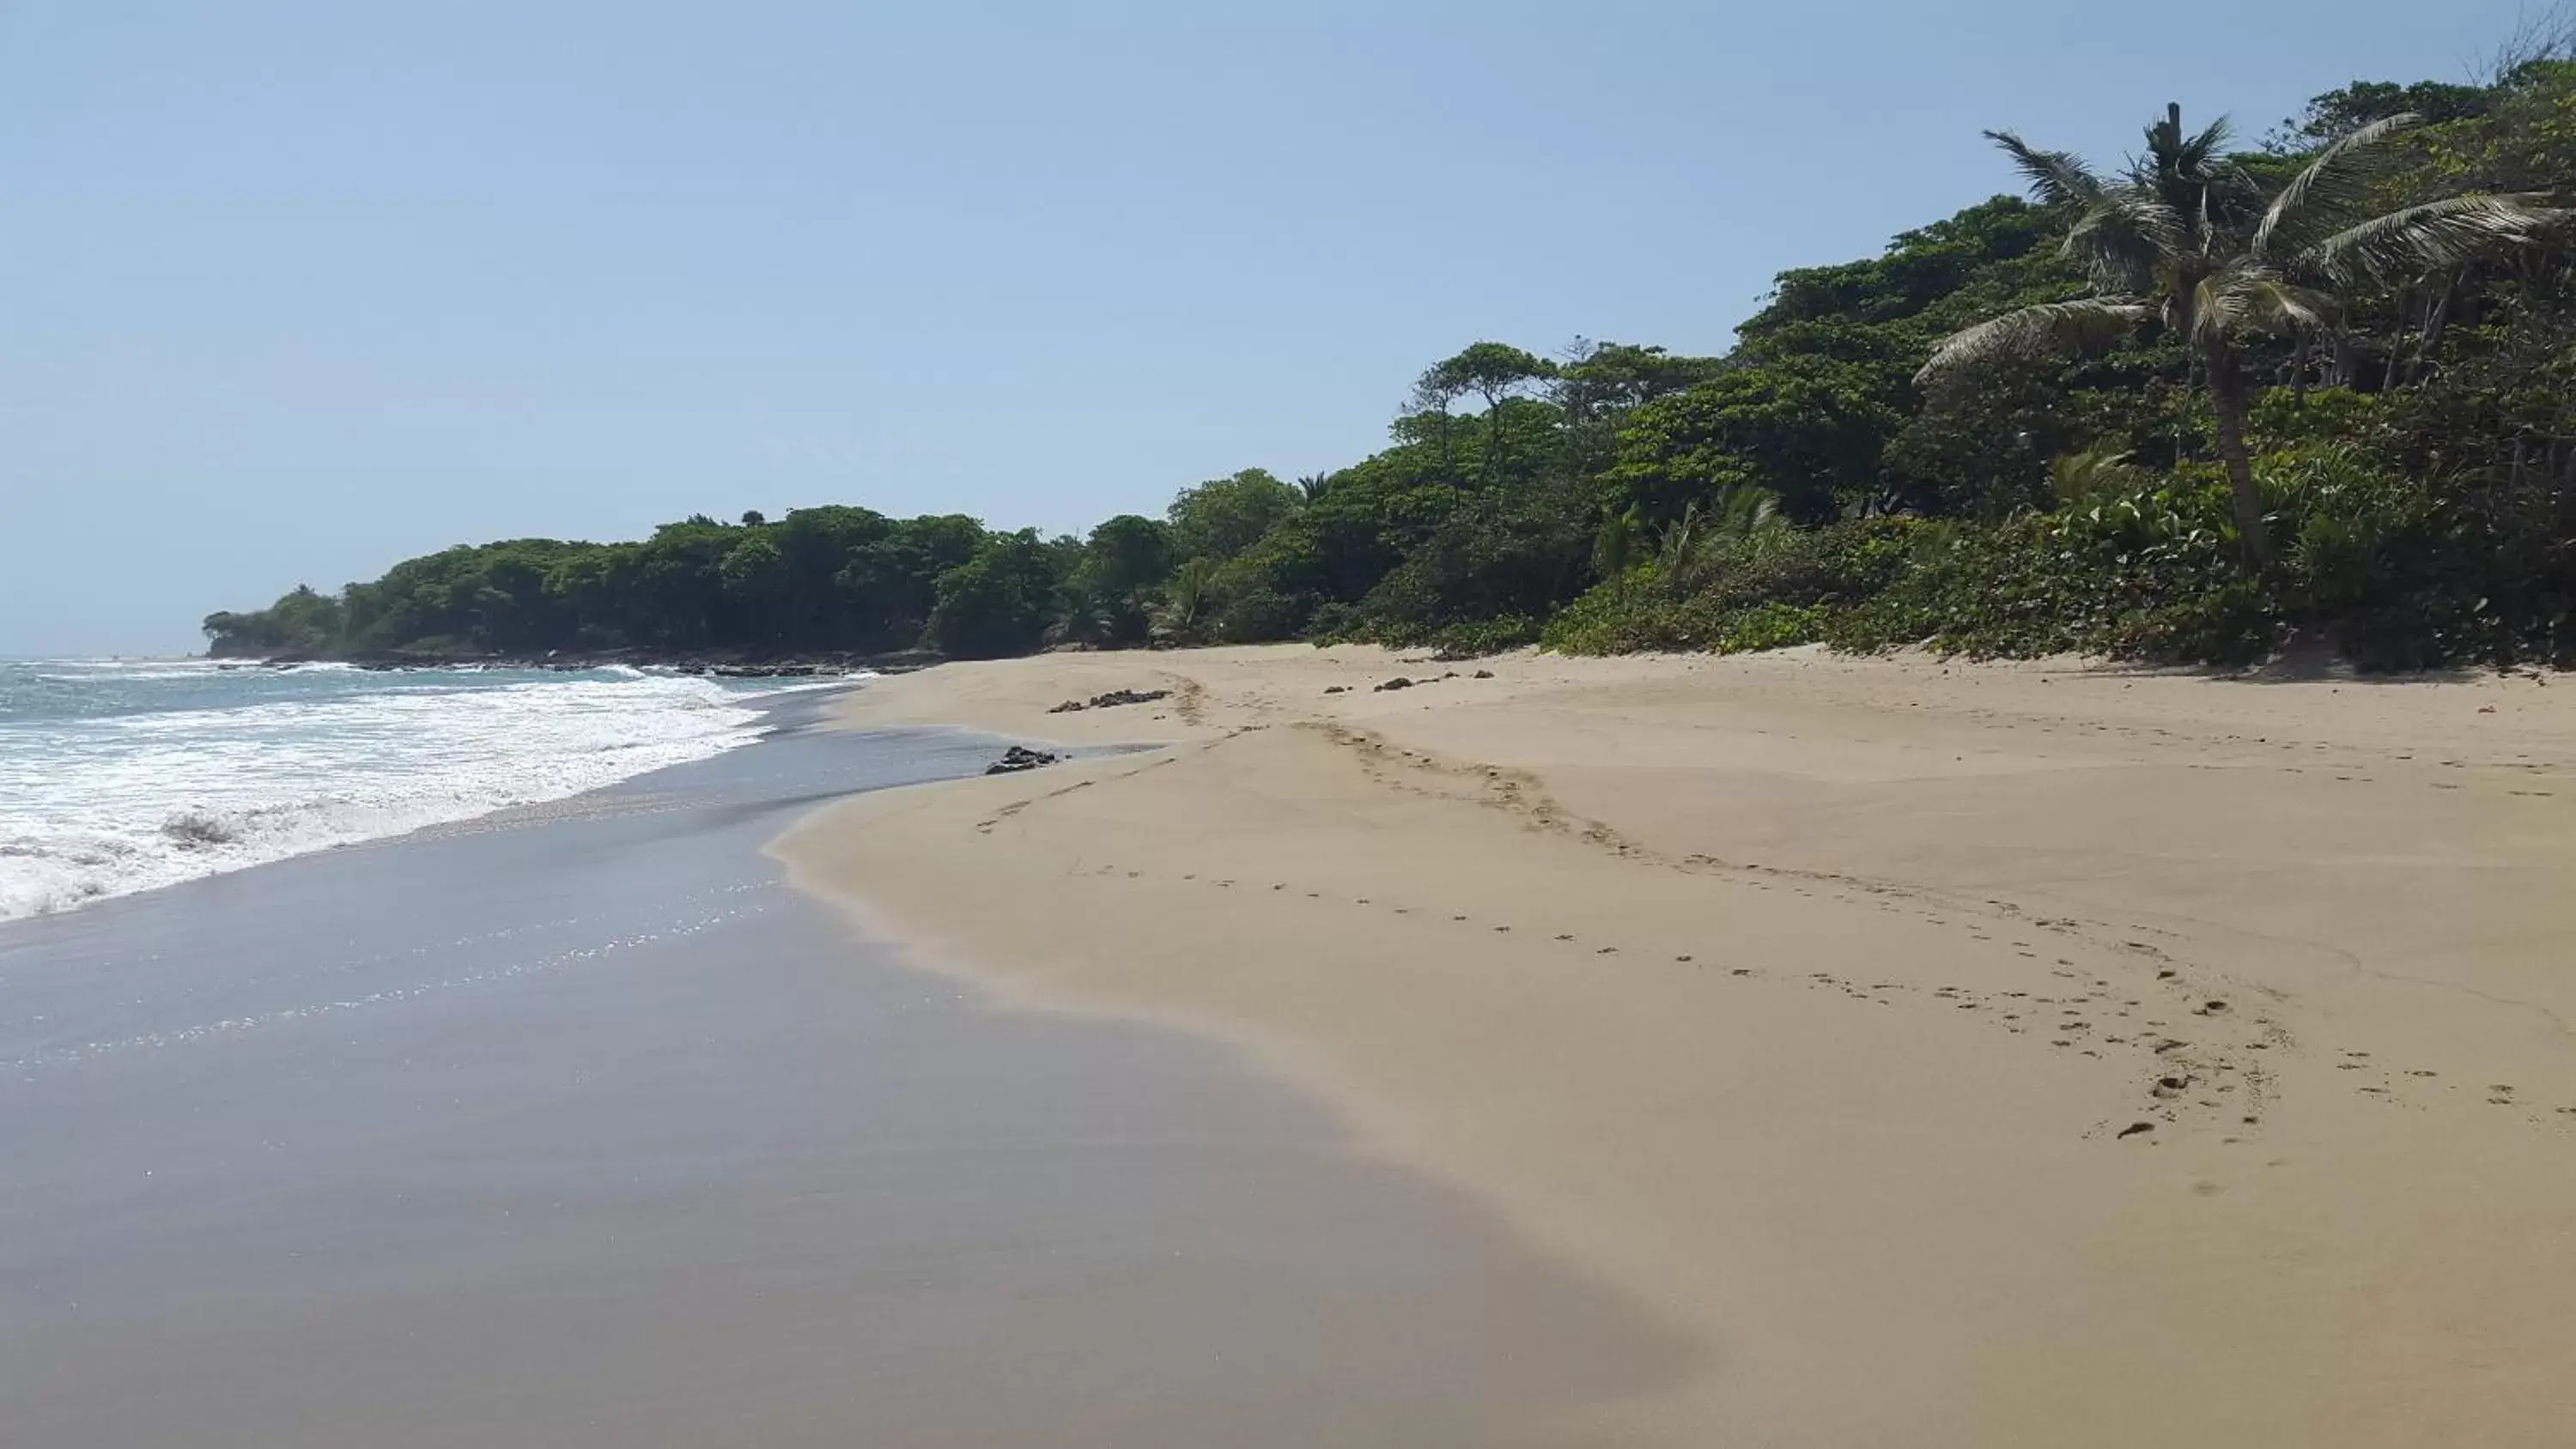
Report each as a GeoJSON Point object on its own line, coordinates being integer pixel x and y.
{"type": "Point", "coordinates": [1111, 700]}
{"type": "Point", "coordinates": [1398, 682]}
{"type": "Point", "coordinates": [1018, 758]}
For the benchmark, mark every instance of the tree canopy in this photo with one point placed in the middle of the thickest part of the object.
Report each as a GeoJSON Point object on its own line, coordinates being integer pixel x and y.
{"type": "Point", "coordinates": [2188, 407]}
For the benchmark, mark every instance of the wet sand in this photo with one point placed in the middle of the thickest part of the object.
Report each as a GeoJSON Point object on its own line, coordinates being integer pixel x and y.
{"type": "Point", "coordinates": [578, 1128]}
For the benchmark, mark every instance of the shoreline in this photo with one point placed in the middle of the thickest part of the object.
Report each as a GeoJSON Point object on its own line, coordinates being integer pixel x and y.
{"type": "Point", "coordinates": [1891, 1026]}
{"type": "Point", "coordinates": [720, 663]}
{"type": "Point", "coordinates": [578, 1127]}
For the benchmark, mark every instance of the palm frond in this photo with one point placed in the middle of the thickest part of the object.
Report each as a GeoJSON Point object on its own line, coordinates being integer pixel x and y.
{"type": "Point", "coordinates": [2122, 237]}
{"type": "Point", "coordinates": [1679, 538]}
{"type": "Point", "coordinates": [2215, 311]}
{"type": "Point", "coordinates": [2192, 157]}
{"type": "Point", "coordinates": [2182, 170]}
{"type": "Point", "coordinates": [2413, 240]}
{"type": "Point", "coordinates": [2095, 470]}
{"type": "Point", "coordinates": [2337, 179]}
{"type": "Point", "coordinates": [2275, 305]}
{"type": "Point", "coordinates": [1188, 595]}
{"type": "Point", "coordinates": [2032, 331]}
{"type": "Point", "coordinates": [2055, 177]}
{"type": "Point", "coordinates": [1749, 509]}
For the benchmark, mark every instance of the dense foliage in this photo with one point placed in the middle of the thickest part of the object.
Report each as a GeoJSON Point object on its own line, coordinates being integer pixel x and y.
{"type": "Point", "coordinates": [2245, 441]}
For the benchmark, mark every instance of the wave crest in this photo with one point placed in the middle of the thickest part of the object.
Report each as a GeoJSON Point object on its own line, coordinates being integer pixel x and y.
{"type": "Point", "coordinates": [108, 806]}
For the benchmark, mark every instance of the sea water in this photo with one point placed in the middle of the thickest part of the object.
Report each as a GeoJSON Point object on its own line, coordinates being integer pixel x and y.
{"type": "Point", "coordinates": [120, 776]}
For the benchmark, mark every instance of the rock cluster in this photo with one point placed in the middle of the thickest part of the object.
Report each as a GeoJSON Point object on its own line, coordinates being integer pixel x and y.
{"type": "Point", "coordinates": [1402, 682]}
{"type": "Point", "coordinates": [1018, 758]}
{"type": "Point", "coordinates": [1112, 700]}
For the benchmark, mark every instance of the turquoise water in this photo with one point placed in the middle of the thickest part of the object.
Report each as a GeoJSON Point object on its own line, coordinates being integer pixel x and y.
{"type": "Point", "coordinates": [123, 775]}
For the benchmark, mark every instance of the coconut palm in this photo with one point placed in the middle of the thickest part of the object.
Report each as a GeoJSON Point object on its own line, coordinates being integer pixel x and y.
{"type": "Point", "coordinates": [1743, 511]}
{"type": "Point", "coordinates": [2188, 238]}
{"type": "Point", "coordinates": [1188, 598]}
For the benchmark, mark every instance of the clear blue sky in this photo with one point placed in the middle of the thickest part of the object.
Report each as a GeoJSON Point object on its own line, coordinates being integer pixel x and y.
{"type": "Point", "coordinates": [291, 291]}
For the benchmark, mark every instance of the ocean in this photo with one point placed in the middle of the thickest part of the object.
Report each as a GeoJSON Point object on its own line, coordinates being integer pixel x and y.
{"type": "Point", "coordinates": [580, 1127]}
{"type": "Point", "coordinates": [122, 776]}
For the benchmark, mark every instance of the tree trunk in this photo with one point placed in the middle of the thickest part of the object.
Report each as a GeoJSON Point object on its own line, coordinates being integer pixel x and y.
{"type": "Point", "coordinates": [2227, 404]}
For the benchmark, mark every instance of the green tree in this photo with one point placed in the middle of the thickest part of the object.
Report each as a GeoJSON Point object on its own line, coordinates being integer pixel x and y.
{"type": "Point", "coordinates": [2188, 238]}
{"type": "Point", "coordinates": [1806, 427]}
{"type": "Point", "coordinates": [891, 582]}
{"type": "Point", "coordinates": [759, 585]}
{"type": "Point", "coordinates": [998, 602]}
{"type": "Point", "coordinates": [1493, 371]}
{"type": "Point", "coordinates": [1222, 517]}
{"type": "Point", "coordinates": [1115, 577]}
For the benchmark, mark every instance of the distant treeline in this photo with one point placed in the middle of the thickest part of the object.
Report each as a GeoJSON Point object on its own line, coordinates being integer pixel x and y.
{"type": "Point", "coordinates": [2190, 408]}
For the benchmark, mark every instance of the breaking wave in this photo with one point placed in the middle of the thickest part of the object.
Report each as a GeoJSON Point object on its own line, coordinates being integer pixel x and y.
{"type": "Point", "coordinates": [105, 800]}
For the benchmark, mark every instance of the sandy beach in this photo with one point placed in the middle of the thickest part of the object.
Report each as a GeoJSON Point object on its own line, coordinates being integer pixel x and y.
{"type": "Point", "coordinates": [1954, 1054]}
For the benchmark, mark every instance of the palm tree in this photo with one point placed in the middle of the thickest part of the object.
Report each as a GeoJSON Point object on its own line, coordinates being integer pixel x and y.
{"type": "Point", "coordinates": [2189, 239]}
{"type": "Point", "coordinates": [1742, 511]}
{"type": "Point", "coordinates": [1188, 597]}
{"type": "Point", "coordinates": [2075, 477]}
{"type": "Point", "coordinates": [1314, 485]}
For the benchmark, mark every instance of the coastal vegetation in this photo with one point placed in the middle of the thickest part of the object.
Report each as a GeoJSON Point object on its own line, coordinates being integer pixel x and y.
{"type": "Point", "coordinates": [2230, 396]}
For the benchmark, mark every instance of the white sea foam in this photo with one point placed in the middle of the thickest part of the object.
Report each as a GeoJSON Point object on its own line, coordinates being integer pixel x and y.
{"type": "Point", "coordinates": [105, 806]}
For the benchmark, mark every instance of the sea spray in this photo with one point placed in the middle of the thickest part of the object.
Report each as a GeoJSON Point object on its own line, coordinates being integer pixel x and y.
{"type": "Point", "coordinates": [118, 777]}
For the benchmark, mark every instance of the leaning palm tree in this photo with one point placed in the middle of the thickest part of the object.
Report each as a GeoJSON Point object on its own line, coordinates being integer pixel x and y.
{"type": "Point", "coordinates": [2189, 239]}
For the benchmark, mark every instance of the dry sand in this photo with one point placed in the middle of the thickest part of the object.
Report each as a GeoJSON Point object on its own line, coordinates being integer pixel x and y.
{"type": "Point", "coordinates": [1996, 1054]}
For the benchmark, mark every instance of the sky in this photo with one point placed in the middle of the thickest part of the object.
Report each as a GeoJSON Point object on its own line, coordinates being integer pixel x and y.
{"type": "Point", "coordinates": [289, 292]}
